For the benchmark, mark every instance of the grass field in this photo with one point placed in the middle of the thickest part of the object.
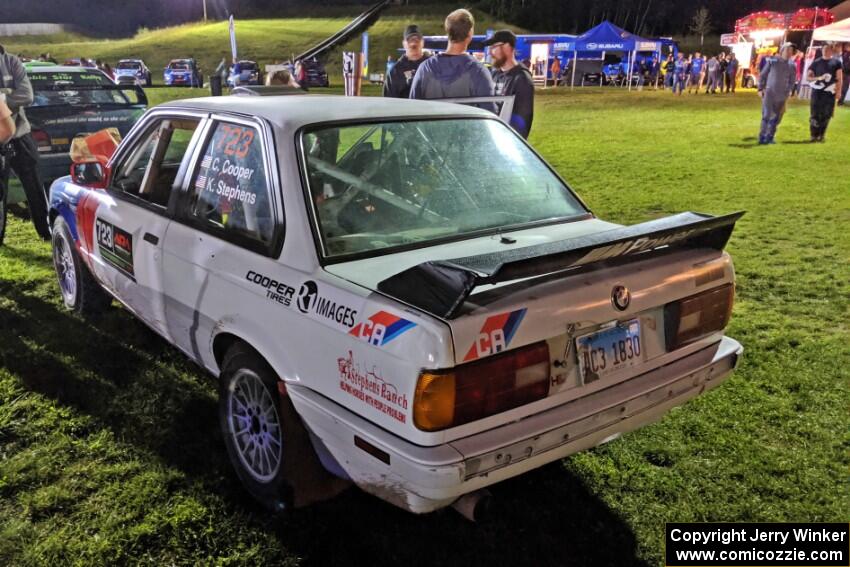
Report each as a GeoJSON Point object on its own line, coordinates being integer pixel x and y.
{"type": "Point", "coordinates": [109, 445]}
{"type": "Point", "coordinates": [266, 41]}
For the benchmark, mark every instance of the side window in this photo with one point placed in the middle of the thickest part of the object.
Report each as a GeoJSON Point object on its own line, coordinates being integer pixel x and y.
{"type": "Point", "coordinates": [150, 171]}
{"type": "Point", "coordinates": [229, 190]}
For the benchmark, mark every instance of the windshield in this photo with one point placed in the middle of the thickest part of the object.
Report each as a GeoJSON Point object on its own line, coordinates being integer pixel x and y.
{"type": "Point", "coordinates": [76, 89]}
{"type": "Point", "coordinates": [178, 65]}
{"type": "Point", "coordinates": [129, 65]}
{"type": "Point", "coordinates": [380, 186]}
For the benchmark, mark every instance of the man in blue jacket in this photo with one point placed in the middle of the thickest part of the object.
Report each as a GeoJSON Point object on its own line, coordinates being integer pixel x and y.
{"type": "Point", "coordinates": [454, 73]}
{"type": "Point", "coordinates": [776, 82]}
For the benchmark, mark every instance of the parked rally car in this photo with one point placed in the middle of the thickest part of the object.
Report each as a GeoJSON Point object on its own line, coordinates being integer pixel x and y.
{"type": "Point", "coordinates": [400, 293]}
{"type": "Point", "coordinates": [183, 72]}
{"type": "Point", "coordinates": [133, 72]}
{"type": "Point", "coordinates": [244, 73]}
{"type": "Point", "coordinates": [76, 101]}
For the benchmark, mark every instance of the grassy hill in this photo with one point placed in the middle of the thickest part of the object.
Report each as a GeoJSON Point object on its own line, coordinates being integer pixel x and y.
{"type": "Point", "coordinates": [267, 40]}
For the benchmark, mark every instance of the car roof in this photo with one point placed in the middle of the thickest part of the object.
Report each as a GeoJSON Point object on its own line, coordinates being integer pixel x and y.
{"type": "Point", "coordinates": [291, 112]}
{"type": "Point", "coordinates": [130, 61]}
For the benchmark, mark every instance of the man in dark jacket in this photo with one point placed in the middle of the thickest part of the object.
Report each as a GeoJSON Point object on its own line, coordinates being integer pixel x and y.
{"type": "Point", "coordinates": [825, 76]}
{"type": "Point", "coordinates": [454, 73]}
{"type": "Point", "coordinates": [845, 67]}
{"type": "Point", "coordinates": [512, 79]}
{"type": "Point", "coordinates": [25, 158]}
{"type": "Point", "coordinates": [398, 80]}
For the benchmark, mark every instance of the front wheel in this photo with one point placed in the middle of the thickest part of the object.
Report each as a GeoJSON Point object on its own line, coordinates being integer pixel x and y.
{"type": "Point", "coordinates": [249, 413]}
{"type": "Point", "coordinates": [80, 291]}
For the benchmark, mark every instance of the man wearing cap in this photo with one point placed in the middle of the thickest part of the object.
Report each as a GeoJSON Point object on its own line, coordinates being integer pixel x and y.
{"type": "Point", "coordinates": [398, 80]}
{"type": "Point", "coordinates": [453, 73]}
{"type": "Point", "coordinates": [776, 83]}
{"type": "Point", "coordinates": [512, 79]}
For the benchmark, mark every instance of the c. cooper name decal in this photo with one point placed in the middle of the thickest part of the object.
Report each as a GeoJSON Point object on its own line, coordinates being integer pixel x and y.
{"type": "Point", "coordinates": [368, 386]}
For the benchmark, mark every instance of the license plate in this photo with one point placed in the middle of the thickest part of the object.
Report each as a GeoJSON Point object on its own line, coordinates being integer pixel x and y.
{"type": "Point", "coordinates": [608, 351]}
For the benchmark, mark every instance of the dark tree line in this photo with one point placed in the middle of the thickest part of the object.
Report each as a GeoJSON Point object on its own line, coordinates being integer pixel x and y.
{"type": "Point", "coordinates": [645, 17]}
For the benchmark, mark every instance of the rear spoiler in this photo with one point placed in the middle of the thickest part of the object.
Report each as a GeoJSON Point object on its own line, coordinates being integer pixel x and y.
{"type": "Point", "coordinates": [441, 287]}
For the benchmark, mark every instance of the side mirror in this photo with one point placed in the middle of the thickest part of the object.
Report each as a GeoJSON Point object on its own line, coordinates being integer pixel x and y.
{"type": "Point", "coordinates": [89, 173]}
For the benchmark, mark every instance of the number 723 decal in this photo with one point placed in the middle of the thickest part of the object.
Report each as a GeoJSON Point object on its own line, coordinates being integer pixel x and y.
{"type": "Point", "coordinates": [116, 247]}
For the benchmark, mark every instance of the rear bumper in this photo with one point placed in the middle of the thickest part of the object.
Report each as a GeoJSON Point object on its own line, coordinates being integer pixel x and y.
{"type": "Point", "coordinates": [423, 479]}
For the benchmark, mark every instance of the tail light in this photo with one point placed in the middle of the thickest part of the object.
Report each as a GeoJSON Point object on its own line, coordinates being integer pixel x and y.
{"type": "Point", "coordinates": [480, 389]}
{"type": "Point", "coordinates": [42, 140]}
{"type": "Point", "coordinates": [697, 316]}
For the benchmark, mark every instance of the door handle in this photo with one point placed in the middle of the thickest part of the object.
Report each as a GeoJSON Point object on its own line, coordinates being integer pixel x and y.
{"type": "Point", "coordinates": [151, 238]}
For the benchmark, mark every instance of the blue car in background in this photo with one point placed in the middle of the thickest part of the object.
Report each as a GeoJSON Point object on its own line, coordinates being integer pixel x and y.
{"type": "Point", "coordinates": [184, 73]}
{"type": "Point", "coordinates": [132, 72]}
{"type": "Point", "coordinates": [244, 73]}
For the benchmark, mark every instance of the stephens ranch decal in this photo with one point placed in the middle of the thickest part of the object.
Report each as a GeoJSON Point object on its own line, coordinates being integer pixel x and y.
{"type": "Point", "coordinates": [371, 388]}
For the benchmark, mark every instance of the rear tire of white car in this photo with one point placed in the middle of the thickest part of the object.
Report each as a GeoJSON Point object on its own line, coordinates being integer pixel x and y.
{"type": "Point", "coordinates": [80, 291]}
{"type": "Point", "coordinates": [252, 424]}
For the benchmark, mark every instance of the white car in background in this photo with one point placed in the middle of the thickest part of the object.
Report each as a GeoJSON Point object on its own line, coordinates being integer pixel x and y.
{"type": "Point", "coordinates": [398, 293]}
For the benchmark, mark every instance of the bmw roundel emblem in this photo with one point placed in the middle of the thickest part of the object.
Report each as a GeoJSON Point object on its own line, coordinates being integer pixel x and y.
{"type": "Point", "coordinates": [621, 297]}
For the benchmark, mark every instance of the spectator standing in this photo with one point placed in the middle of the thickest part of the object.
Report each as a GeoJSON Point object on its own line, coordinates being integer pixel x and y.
{"type": "Point", "coordinates": [845, 68]}
{"type": "Point", "coordinates": [680, 72]}
{"type": "Point", "coordinates": [776, 82]}
{"type": "Point", "coordinates": [453, 73]}
{"type": "Point", "coordinates": [15, 84]}
{"type": "Point", "coordinates": [400, 77]}
{"type": "Point", "coordinates": [696, 73]}
{"type": "Point", "coordinates": [731, 73]}
{"type": "Point", "coordinates": [825, 76]}
{"type": "Point", "coordinates": [556, 71]}
{"type": "Point", "coordinates": [721, 77]}
{"type": "Point", "coordinates": [511, 78]}
{"type": "Point", "coordinates": [713, 74]}
{"type": "Point", "coordinates": [669, 71]}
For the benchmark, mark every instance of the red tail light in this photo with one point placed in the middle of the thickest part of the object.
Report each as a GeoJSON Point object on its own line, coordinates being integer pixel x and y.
{"type": "Point", "coordinates": [480, 389]}
{"type": "Point", "coordinates": [42, 140]}
{"type": "Point", "coordinates": [697, 316]}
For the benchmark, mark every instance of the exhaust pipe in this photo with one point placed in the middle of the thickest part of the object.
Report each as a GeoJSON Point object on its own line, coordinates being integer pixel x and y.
{"type": "Point", "coordinates": [474, 506]}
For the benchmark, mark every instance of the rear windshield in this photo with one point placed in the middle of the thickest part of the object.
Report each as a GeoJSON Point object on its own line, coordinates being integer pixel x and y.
{"type": "Point", "coordinates": [74, 89]}
{"type": "Point", "coordinates": [375, 187]}
{"type": "Point", "coordinates": [129, 65]}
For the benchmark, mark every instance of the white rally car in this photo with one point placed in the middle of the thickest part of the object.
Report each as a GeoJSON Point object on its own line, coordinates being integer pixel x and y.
{"type": "Point", "coordinates": [397, 293]}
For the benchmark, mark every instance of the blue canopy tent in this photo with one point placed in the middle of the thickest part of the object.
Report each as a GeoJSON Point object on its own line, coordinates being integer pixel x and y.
{"type": "Point", "coordinates": [607, 37]}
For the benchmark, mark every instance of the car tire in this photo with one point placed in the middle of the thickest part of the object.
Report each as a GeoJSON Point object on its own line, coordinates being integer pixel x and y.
{"type": "Point", "coordinates": [80, 291]}
{"type": "Point", "coordinates": [148, 81]}
{"type": "Point", "coordinates": [252, 423]}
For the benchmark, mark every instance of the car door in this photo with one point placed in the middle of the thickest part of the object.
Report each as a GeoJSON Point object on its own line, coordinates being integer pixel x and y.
{"type": "Point", "coordinates": [130, 225]}
{"type": "Point", "coordinates": [228, 223]}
